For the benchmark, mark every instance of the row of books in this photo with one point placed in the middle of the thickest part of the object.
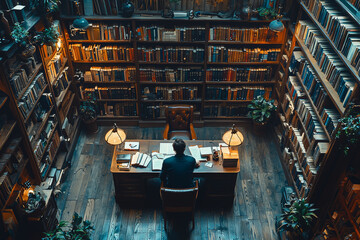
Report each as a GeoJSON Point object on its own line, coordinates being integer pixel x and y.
{"type": "Point", "coordinates": [343, 31]}
{"type": "Point", "coordinates": [110, 93]}
{"type": "Point", "coordinates": [62, 83]}
{"type": "Point", "coordinates": [173, 93]}
{"type": "Point", "coordinates": [171, 75]}
{"type": "Point", "coordinates": [225, 110]}
{"type": "Point", "coordinates": [31, 95]}
{"type": "Point", "coordinates": [335, 71]}
{"type": "Point", "coordinates": [313, 86]}
{"type": "Point", "coordinates": [48, 50]}
{"type": "Point", "coordinates": [300, 182]}
{"type": "Point", "coordinates": [101, 53]}
{"type": "Point", "coordinates": [224, 54]}
{"type": "Point", "coordinates": [249, 74]}
{"type": "Point", "coordinates": [55, 65]}
{"type": "Point", "coordinates": [5, 188]}
{"type": "Point", "coordinates": [50, 154]}
{"type": "Point", "coordinates": [156, 33]}
{"type": "Point", "coordinates": [330, 118]}
{"type": "Point", "coordinates": [355, 3]}
{"type": "Point", "coordinates": [177, 54]}
{"type": "Point", "coordinates": [152, 112]}
{"type": "Point", "coordinates": [11, 156]}
{"type": "Point", "coordinates": [40, 144]}
{"type": "Point", "coordinates": [103, 32]}
{"type": "Point", "coordinates": [110, 74]}
{"type": "Point", "coordinates": [247, 35]}
{"type": "Point", "coordinates": [239, 93]}
{"type": "Point", "coordinates": [117, 109]}
{"type": "Point", "coordinates": [19, 81]}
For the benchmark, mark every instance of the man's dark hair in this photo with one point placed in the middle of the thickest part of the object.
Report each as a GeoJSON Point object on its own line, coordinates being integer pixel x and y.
{"type": "Point", "coordinates": [179, 146]}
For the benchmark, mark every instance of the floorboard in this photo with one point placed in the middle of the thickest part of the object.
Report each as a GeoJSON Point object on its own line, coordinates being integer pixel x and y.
{"type": "Point", "coordinates": [88, 189]}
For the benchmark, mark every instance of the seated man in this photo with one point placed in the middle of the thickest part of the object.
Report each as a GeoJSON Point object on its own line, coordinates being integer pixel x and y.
{"type": "Point", "coordinates": [177, 171]}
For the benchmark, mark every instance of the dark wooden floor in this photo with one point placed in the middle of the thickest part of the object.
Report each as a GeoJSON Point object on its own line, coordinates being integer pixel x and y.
{"type": "Point", "coordinates": [88, 189]}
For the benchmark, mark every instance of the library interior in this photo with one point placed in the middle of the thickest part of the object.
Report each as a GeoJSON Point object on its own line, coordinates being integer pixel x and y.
{"type": "Point", "coordinates": [180, 119]}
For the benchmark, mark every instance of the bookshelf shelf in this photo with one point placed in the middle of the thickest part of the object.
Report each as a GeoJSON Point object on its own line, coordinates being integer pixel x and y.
{"type": "Point", "coordinates": [350, 9]}
{"type": "Point", "coordinates": [49, 140]}
{"type": "Point", "coordinates": [36, 102]}
{"type": "Point", "coordinates": [60, 71]}
{"type": "Point", "coordinates": [273, 44]}
{"type": "Point", "coordinates": [99, 41]}
{"type": "Point", "coordinates": [227, 101]}
{"type": "Point", "coordinates": [116, 100]}
{"type": "Point", "coordinates": [171, 101]}
{"type": "Point", "coordinates": [103, 62]}
{"type": "Point", "coordinates": [313, 106]}
{"type": "Point", "coordinates": [106, 83]}
{"type": "Point", "coordinates": [5, 132]}
{"type": "Point", "coordinates": [117, 117]}
{"type": "Point", "coordinates": [226, 117]}
{"type": "Point", "coordinates": [240, 83]}
{"type": "Point", "coordinates": [41, 125]}
{"type": "Point", "coordinates": [171, 63]}
{"type": "Point", "coordinates": [60, 98]}
{"type": "Point", "coordinates": [242, 63]}
{"type": "Point", "coordinates": [31, 79]}
{"type": "Point", "coordinates": [321, 76]}
{"type": "Point", "coordinates": [200, 43]}
{"type": "Point", "coordinates": [346, 62]}
{"type": "Point", "coordinates": [170, 83]}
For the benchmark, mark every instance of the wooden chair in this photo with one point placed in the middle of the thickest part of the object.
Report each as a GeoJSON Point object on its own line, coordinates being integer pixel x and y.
{"type": "Point", "coordinates": [179, 201]}
{"type": "Point", "coordinates": [179, 120]}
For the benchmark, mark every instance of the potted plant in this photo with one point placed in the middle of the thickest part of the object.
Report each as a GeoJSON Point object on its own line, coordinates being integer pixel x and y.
{"type": "Point", "coordinates": [44, 7]}
{"type": "Point", "coordinates": [78, 229]}
{"type": "Point", "coordinates": [48, 37]}
{"type": "Point", "coordinates": [22, 39]}
{"type": "Point", "coordinates": [297, 219]}
{"type": "Point", "coordinates": [267, 13]}
{"type": "Point", "coordinates": [349, 132]}
{"type": "Point", "coordinates": [88, 113]}
{"type": "Point", "coordinates": [261, 111]}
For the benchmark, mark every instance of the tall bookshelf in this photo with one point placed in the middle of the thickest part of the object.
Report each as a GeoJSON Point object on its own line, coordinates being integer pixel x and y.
{"type": "Point", "coordinates": [38, 109]}
{"type": "Point", "coordinates": [313, 98]}
{"type": "Point", "coordinates": [175, 61]}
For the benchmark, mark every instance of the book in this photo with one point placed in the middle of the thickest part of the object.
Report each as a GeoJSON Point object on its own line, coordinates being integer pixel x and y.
{"type": "Point", "coordinates": [120, 158]}
{"type": "Point", "coordinates": [167, 149]}
{"type": "Point", "coordinates": [195, 152]}
{"type": "Point", "coordinates": [157, 161]}
{"type": "Point", "coordinates": [125, 166]}
{"type": "Point", "coordinates": [132, 146]}
{"type": "Point", "coordinates": [205, 151]}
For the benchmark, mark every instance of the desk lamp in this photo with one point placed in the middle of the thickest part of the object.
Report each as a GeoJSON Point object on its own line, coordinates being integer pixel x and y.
{"type": "Point", "coordinates": [115, 136]}
{"type": "Point", "coordinates": [233, 138]}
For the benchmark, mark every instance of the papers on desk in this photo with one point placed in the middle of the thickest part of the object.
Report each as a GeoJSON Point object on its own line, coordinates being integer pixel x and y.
{"type": "Point", "coordinates": [205, 151]}
{"type": "Point", "coordinates": [167, 148]}
{"type": "Point", "coordinates": [140, 160]}
{"type": "Point", "coordinates": [195, 152]}
{"type": "Point", "coordinates": [157, 161]}
{"type": "Point", "coordinates": [224, 148]}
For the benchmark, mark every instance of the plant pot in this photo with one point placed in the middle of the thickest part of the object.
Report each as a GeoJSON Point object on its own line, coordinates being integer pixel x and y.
{"type": "Point", "coordinates": [27, 52]}
{"type": "Point", "coordinates": [91, 126]}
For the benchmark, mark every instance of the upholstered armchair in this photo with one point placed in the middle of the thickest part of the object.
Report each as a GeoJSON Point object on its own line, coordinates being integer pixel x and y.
{"type": "Point", "coordinates": [179, 122]}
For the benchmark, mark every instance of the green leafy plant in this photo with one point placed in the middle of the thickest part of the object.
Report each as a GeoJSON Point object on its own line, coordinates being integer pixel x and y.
{"type": "Point", "coordinates": [297, 218]}
{"type": "Point", "coordinates": [349, 131]}
{"type": "Point", "coordinates": [261, 109]}
{"type": "Point", "coordinates": [78, 230]}
{"type": "Point", "coordinates": [48, 37]}
{"type": "Point", "coordinates": [88, 108]}
{"type": "Point", "coordinates": [20, 35]}
{"type": "Point", "coordinates": [267, 13]}
{"type": "Point", "coordinates": [47, 6]}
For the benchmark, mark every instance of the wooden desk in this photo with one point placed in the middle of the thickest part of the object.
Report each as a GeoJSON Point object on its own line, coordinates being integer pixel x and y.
{"type": "Point", "coordinates": [131, 186]}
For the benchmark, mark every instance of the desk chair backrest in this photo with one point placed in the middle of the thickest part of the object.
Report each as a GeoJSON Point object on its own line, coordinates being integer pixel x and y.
{"type": "Point", "coordinates": [179, 117]}
{"type": "Point", "coordinates": [179, 200]}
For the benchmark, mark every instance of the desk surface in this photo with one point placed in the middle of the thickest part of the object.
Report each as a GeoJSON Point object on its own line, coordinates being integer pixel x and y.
{"type": "Point", "coordinates": [148, 146]}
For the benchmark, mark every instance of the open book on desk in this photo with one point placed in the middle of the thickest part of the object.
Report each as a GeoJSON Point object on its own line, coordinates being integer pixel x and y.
{"type": "Point", "coordinates": [195, 152]}
{"type": "Point", "coordinates": [157, 160]}
{"type": "Point", "coordinates": [167, 149]}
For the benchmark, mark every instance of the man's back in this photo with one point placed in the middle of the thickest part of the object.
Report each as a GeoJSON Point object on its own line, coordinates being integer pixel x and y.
{"type": "Point", "coordinates": [177, 171]}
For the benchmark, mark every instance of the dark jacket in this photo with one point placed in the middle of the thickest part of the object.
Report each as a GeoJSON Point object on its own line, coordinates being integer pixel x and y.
{"type": "Point", "coordinates": [177, 171]}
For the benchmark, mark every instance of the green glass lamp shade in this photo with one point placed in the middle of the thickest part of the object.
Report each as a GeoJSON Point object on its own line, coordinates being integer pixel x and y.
{"type": "Point", "coordinates": [128, 9]}
{"type": "Point", "coordinates": [276, 26]}
{"type": "Point", "coordinates": [80, 23]}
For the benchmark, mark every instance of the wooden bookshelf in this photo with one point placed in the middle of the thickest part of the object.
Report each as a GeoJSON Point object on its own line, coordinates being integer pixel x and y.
{"type": "Point", "coordinates": [31, 79]}
{"type": "Point", "coordinates": [321, 76]}
{"type": "Point", "coordinates": [350, 217]}
{"type": "Point", "coordinates": [6, 131]}
{"type": "Point", "coordinates": [36, 102]}
{"type": "Point", "coordinates": [341, 56]}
